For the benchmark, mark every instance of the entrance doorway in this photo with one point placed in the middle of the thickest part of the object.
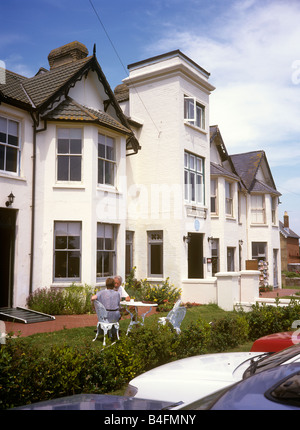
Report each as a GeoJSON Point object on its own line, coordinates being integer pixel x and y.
{"type": "Point", "coordinates": [195, 256]}
{"type": "Point", "coordinates": [7, 254]}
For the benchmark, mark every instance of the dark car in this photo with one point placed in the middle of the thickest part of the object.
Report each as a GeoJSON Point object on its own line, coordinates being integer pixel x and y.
{"type": "Point", "coordinates": [98, 402]}
{"type": "Point", "coordinates": [277, 388]}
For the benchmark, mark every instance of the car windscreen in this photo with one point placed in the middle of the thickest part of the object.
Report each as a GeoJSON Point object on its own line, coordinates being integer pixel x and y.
{"type": "Point", "coordinates": [270, 361]}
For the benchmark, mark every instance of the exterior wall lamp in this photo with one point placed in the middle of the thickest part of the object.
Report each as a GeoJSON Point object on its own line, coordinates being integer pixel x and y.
{"type": "Point", "coordinates": [210, 239]}
{"type": "Point", "coordinates": [10, 200]}
{"type": "Point", "coordinates": [187, 239]}
{"type": "Point", "coordinates": [241, 242]}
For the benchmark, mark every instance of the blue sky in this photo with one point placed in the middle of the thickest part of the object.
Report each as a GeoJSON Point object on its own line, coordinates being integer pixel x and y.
{"type": "Point", "coordinates": [250, 47]}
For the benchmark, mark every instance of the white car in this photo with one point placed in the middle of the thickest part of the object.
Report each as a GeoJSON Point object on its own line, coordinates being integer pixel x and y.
{"type": "Point", "coordinates": [195, 377]}
{"type": "Point", "coordinates": [191, 378]}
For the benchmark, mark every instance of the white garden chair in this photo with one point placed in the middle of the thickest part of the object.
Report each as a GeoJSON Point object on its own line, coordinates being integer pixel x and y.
{"type": "Point", "coordinates": [2, 333]}
{"type": "Point", "coordinates": [103, 322]}
{"type": "Point", "coordinates": [175, 316]}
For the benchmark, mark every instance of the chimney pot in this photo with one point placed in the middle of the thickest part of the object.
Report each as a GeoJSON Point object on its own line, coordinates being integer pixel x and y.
{"type": "Point", "coordinates": [286, 220]}
{"type": "Point", "coordinates": [68, 53]}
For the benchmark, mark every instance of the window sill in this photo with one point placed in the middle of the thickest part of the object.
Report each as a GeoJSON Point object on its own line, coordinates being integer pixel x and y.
{"type": "Point", "coordinates": [108, 188]}
{"type": "Point", "coordinates": [12, 176]}
{"type": "Point", "coordinates": [259, 225]}
{"type": "Point", "coordinates": [196, 210]}
{"type": "Point", "coordinates": [230, 218]}
{"type": "Point", "coordinates": [155, 279]}
{"type": "Point", "coordinates": [194, 127]}
{"type": "Point", "coordinates": [69, 185]}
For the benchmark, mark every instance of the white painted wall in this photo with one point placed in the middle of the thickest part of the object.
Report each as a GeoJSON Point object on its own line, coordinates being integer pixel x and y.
{"type": "Point", "coordinates": [21, 187]}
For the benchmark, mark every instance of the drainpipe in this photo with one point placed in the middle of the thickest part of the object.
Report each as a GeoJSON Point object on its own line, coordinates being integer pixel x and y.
{"type": "Point", "coordinates": [35, 131]}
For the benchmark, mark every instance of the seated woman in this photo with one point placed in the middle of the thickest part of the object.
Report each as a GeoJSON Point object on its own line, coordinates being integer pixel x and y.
{"type": "Point", "coordinates": [110, 300]}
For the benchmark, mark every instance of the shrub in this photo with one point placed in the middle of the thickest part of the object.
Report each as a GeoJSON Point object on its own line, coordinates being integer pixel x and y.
{"type": "Point", "coordinates": [266, 319]}
{"type": "Point", "coordinates": [29, 374]}
{"type": "Point", "coordinates": [73, 300]}
{"type": "Point", "coordinates": [164, 294]}
{"type": "Point", "coordinates": [193, 340]}
{"type": "Point", "coordinates": [228, 332]}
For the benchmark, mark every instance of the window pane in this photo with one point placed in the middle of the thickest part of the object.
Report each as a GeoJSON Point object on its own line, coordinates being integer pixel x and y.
{"type": "Point", "coordinates": [2, 137]}
{"type": "Point", "coordinates": [61, 264]}
{"type": "Point", "coordinates": [75, 168]}
{"type": "Point", "coordinates": [11, 159]}
{"type": "Point", "coordinates": [109, 245]}
{"type": "Point", "coordinates": [63, 146]}
{"type": "Point", "coordinates": [2, 155]}
{"type": "Point", "coordinates": [3, 129]}
{"type": "Point", "coordinates": [100, 171]}
{"type": "Point", "coordinates": [13, 140]}
{"type": "Point", "coordinates": [73, 264]}
{"type": "Point", "coordinates": [109, 173]}
{"type": "Point", "coordinates": [110, 148]}
{"type": "Point", "coordinates": [199, 189]}
{"type": "Point", "coordinates": [75, 133]}
{"type": "Point", "coordinates": [99, 268]}
{"type": "Point", "coordinates": [186, 164]}
{"type": "Point", "coordinates": [13, 128]}
{"type": "Point", "coordinates": [75, 146]}
{"type": "Point", "coordinates": [192, 162]}
{"type": "Point", "coordinates": [61, 242]}
{"type": "Point", "coordinates": [63, 133]}
{"type": "Point", "coordinates": [199, 165]}
{"type": "Point", "coordinates": [192, 186]}
{"type": "Point", "coordinates": [101, 139]}
{"type": "Point", "coordinates": [186, 185]}
{"type": "Point", "coordinates": [73, 242]}
{"type": "Point", "coordinates": [101, 150]}
{"type": "Point", "coordinates": [63, 168]}
{"type": "Point", "coordinates": [100, 243]}
{"type": "Point", "coordinates": [213, 204]}
{"type": "Point", "coordinates": [156, 259]}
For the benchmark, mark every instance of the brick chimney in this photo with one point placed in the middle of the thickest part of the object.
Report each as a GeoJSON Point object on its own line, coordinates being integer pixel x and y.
{"type": "Point", "coordinates": [286, 223]}
{"type": "Point", "coordinates": [68, 53]}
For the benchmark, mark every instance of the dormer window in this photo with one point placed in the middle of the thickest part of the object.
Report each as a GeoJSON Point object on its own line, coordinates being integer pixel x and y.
{"type": "Point", "coordinates": [194, 112]}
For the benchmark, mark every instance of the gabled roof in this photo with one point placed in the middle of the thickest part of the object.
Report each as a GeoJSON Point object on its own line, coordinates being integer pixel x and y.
{"type": "Point", "coordinates": [44, 86]}
{"type": "Point", "coordinates": [216, 137]}
{"type": "Point", "coordinates": [39, 93]}
{"type": "Point", "coordinates": [287, 232]}
{"type": "Point", "coordinates": [247, 165]}
{"type": "Point", "coordinates": [218, 170]}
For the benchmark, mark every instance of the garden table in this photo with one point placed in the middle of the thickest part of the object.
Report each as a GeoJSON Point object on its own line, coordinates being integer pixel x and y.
{"type": "Point", "coordinates": [134, 312]}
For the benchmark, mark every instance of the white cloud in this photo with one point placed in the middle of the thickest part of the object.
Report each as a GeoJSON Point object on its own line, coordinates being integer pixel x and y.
{"type": "Point", "coordinates": [252, 53]}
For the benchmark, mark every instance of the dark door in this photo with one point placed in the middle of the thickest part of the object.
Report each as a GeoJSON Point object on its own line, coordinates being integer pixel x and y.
{"type": "Point", "coordinates": [7, 252]}
{"type": "Point", "coordinates": [195, 256]}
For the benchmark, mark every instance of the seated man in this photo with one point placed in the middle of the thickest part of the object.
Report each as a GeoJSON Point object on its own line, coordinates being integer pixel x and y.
{"type": "Point", "coordinates": [120, 289]}
{"type": "Point", "coordinates": [110, 300]}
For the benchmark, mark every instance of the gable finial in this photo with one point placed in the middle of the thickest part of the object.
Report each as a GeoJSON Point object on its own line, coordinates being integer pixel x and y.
{"type": "Point", "coordinates": [94, 50]}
